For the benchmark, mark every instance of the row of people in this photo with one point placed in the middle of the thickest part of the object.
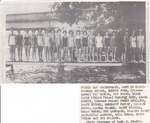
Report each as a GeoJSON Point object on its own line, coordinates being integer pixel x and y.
{"type": "Point", "coordinates": [78, 46]}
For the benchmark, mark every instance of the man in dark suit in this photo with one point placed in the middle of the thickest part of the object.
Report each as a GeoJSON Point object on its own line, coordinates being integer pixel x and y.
{"type": "Point", "coordinates": [19, 44]}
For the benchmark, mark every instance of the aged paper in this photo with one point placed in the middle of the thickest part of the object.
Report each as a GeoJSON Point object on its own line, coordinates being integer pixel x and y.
{"type": "Point", "coordinates": [75, 42]}
{"type": "Point", "coordinates": [94, 53]}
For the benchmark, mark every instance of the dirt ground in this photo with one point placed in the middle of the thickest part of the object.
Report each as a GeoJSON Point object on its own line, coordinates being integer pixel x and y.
{"type": "Point", "coordinates": [44, 73]}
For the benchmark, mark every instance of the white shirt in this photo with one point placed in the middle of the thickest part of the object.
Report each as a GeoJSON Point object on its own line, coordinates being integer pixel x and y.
{"type": "Point", "coordinates": [99, 42]}
{"type": "Point", "coordinates": [140, 41]}
{"type": "Point", "coordinates": [40, 40]}
{"type": "Point", "coordinates": [12, 40]}
{"type": "Point", "coordinates": [46, 41]}
{"type": "Point", "coordinates": [133, 42]}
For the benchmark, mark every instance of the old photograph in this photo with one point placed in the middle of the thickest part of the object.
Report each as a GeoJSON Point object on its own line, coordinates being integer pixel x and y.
{"type": "Point", "coordinates": [76, 42]}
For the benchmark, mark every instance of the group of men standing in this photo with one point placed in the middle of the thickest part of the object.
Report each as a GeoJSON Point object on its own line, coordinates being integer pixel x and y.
{"type": "Point", "coordinates": [57, 45]}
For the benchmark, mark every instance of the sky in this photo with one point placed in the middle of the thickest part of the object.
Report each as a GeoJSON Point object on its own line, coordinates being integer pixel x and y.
{"type": "Point", "coordinates": [14, 8]}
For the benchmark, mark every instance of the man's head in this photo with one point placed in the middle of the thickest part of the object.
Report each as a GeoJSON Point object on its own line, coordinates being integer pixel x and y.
{"type": "Point", "coordinates": [71, 32]}
{"type": "Point", "coordinates": [78, 32]}
{"type": "Point", "coordinates": [19, 32]}
{"type": "Point", "coordinates": [140, 31]}
{"type": "Point", "coordinates": [64, 32]}
{"type": "Point", "coordinates": [85, 33]}
{"type": "Point", "coordinates": [12, 30]}
{"type": "Point", "coordinates": [59, 31]}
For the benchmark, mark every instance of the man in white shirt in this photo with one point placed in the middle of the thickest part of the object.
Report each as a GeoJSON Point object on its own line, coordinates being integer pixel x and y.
{"type": "Point", "coordinates": [12, 45]}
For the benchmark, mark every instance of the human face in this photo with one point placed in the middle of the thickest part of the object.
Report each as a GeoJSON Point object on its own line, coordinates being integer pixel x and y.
{"type": "Point", "coordinates": [65, 33]}
{"type": "Point", "coordinates": [106, 33]}
{"type": "Point", "coordinates": [84, 33]}
{"type": "Point", "coordinates": [58, 32]}
{"type": "Point", "coordinates": [133, 33]}
{"type": "Point", "coordinates": [78, 33]}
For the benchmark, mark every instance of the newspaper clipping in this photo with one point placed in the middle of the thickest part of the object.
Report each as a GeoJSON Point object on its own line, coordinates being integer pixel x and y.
{"type": "Point", "coordinates": [102, 46]}
{"type": "Point", "coordinates": [76, 42]}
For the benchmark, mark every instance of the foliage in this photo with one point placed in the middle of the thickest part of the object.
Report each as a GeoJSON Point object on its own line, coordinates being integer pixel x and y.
{"type": "Point", "coordinates": [99, 15]}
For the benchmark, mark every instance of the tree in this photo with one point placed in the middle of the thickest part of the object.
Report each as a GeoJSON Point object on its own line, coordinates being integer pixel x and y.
{"type": "Point", "coordinates": [100, 15]}
{"type": "Point", "coordinates": [72, 12]}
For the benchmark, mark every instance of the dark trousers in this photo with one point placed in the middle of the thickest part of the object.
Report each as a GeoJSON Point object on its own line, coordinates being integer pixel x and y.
{"type": "Point", "coordinates": [99, 53]}
{"type": "Point", "coordinates": [40, 53]}
{"type": "Point", "coordinates": [34, 50]}
{"type": "Point", "coordinates": [12, 52]}
{"type": "Point", "coordinates": [71, 53]}
{"type": "Point", "coordinates": [47, 53]}
{"type": "Point", "coordinates": [65, 53]}
{"type": "Point", "coordinates": [27, 51]}
{"type": "Point", "coordinates": [58, 49]}
{"type": "Point", "coordinates": [133, 53]}
{"type": "Point", "coordinates": [19, 49]}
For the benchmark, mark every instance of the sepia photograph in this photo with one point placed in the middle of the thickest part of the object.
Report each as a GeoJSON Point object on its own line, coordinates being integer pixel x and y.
{"type": "Point", "coordinates": [76, 42]}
